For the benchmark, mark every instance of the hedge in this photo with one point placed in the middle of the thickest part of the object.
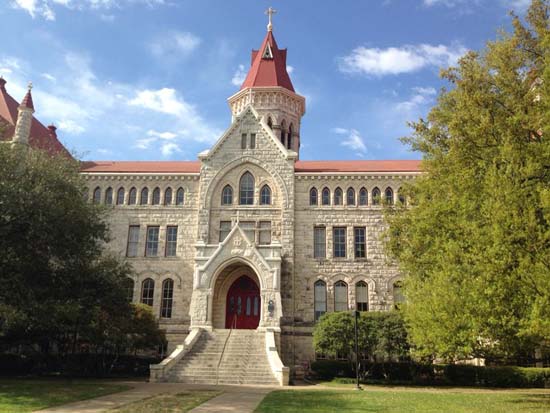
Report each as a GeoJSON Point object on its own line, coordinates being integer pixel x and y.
{"type": "Point", "coordinates": [433, 374]}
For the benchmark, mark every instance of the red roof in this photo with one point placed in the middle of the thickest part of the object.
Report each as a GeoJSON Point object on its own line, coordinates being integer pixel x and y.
{"type": "Point", "coordinates": [300, 166]}
{"type": "Point", "coordinates": [141, 166]}
{"type": "Point", "coordinates": [41, 137]}
{"type": "Point", "coordinates": [358, 166]}
{"type": "Point", "coordinates": [268, 70]}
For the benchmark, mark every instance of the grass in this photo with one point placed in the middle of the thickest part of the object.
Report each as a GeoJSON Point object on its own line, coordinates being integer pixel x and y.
{"type": "Point", "coordinates": [169, 403]}
{"type": "Point", "coordinates": [18, 396]}
{"type": "Point", "coordinates": [388, 400]}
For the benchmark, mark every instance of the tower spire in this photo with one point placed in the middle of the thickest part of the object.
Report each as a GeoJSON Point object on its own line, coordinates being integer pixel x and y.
{"type": "Point", "coordinates": [24, 119]}
{"type": "Point", "coordinates": [270, 12]}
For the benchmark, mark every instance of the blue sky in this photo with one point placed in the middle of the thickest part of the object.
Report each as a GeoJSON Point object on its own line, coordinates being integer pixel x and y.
{"type": "Point", "coordinates": [149, 79]}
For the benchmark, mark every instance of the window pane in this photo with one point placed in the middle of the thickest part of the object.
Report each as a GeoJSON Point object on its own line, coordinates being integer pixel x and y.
{"type": "Point", "coordinates": [132, 198]}
{"type": "Point", "coordinates": [265, 232]}
{"type": "Point", "coordinates": [339, 242]}
{"type": "Point", "coordinates": [325, 197]}
{"type": "Point", "coordinates": [225, 229]}
{"type": "Point", "coordinates": [246, 189]}
{"type": "Point", "coordinates": [148, 292]}
{"type": "Point", "coordinates": [249, 230]}
{"type": "Point", "coordinates": [360, 242]}
{"type": "Point", "coordinates": [168, 196]}
{"type": "Point", "coordinates": [265, 195]}
{"type": "Point", "coordinates": [167, 298]}
{"type": "Point", "coordinates": [227, 195]}
{"type": "Point", "coordinates": [338, 197]}
{"type": "Point", "coordinates": [97, 195]}
{"type": "Point", "coordinates": [144, 199]}
{"type": "Point", "coordinates": [350, 197]}
{"type": "Point", "coordinates": [133, 239]}
{"type": "Point", "coordinates": [313, 196]}
{"type": "Point", "coordinates": [363, 197]}
{"type": "Point", "coordinates": [389, 196]}
{"type": "Point", "coordinates": [152, 242]}
{"type": "Point", "coordinates": [362, 296]}
{"type": "Point", "coordinates": [320, 299]}
{"type": "Point", "coordinates": [319, 242]}
{"type": "Point", "coordinates": [340, 296]}
{"type": "Point", "coordinates": [243, 141]}
{"type": "Point", "coordinates": [120, 196]}
{"type": "Point", "coordinates": [256, 305]}
{"type": "Point", "coordinates": [156, 196]}
{"type": "Point", "coordinates": [252, 141]}
{"type": "Point", "coordinates": [171, 240]}
{"type": "Point", "coordinates": [180, 196]}
{"type": "Point", "coordinates": [376, 196]}
{"type": "Point", "coordinates": [109, 196]}
{"type": "Point", "coordinates": [248, 305]}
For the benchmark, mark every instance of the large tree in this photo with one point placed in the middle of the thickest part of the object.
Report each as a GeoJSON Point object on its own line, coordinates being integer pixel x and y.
{"type": "Point", "coordinates": [58, 285]}
{"type": "Point", "coordinates": [475, 242]}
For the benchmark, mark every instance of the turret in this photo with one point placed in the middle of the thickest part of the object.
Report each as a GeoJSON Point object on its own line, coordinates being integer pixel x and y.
{"type": "Point", "coordinates": [269, 89]}
{"type": "Point", "coordinates": [24, 119]}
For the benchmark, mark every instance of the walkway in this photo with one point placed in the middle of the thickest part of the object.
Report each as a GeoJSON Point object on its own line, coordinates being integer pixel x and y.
{"type": "Point", "coordinates": [242, 399]}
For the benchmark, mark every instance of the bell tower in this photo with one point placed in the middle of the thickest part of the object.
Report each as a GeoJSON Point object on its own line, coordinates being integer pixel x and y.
{"type": "Point", "coordinates": [268, 88]}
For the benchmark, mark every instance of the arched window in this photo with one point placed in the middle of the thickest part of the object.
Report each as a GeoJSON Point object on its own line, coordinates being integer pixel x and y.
{"type": "Point", "coordinates": [338, 197]}
{"type": "Point", "coordinates": [144, 198]}
{"type": "Point", "coordinates": [156, 196]}
{"type": "Point", "coordinates": [398, 297]}
{"type": "Point", "coordinates": [270, 123]}
{"type": "Point", "coordinates": [320, 298]}
{"type": "Point", "coordinates": [363, 197]}
{"type": "Point", "coordinates": [129, 285]}
{"type": "Point", "coordinates": [246, 189]}
{"type": "Point", "coordinates": [168, 196]}
{"type": "Point", "coordinates": [350, 196]}
{"type": "Point", "coordinates": [132, 196]}
{"type": "Point", "coordinates": [180, 197]}
{"type": "Point", "coordinates": [147, 291]}
{"type": "Point", "coordinates": [109, 196]}
{"type": "Point", "coordinates": [289, 137]}
{"type": "Point", "coordinates": [400, 197]}
{"type": "Point", "coordinates": [376, 196]}
{"type": "Point", "coordinates": [313, 196]}
{"type": "Point", "coordinates": [361, 296]}
{"type": "Point", "coordinates": [325, 196]}
{"type": "Point", "coordinates": [265, 195]}
{"type": "Point", "coordinates": [120, 196]}
{"type": "Point", "coordinates": [340, 296]}
{"type": "Point", "coordinates": [388, 195]}
{"type": "Point", "coordinates": [167, 298]}
{"type": "Point", "coordinates": [97, 195]}
{"type": "Point", "coordinates": [227, 195]}
{"type": "Point", "coordinates": [283, 133]}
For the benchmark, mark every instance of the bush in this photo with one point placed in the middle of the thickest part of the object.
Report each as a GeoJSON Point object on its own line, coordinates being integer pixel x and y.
{"type": "Point", "coordinates": [432, 374]}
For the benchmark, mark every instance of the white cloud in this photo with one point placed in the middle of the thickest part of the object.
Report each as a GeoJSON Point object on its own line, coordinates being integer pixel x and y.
{"type": "Point", "coordinates": [352, 140]}
{"type": "Point", "coordinates": [174, 44]}
{"type": "Point", "coordinates": [397, 60]}
{"type": "Point", "coordinates": [168, 149]}
{"type": "Point", "coordinates": [289, 69]}
{"type": "Point", "coordinates": [49, 77]}
{"type": "Point", "coordinates": [417, 103]}
{"type": "Point", "coordinates": [45, 8]}
{"type": "Point", "coordinates": [161, 135]}
{"type": "Point", "coordinates": [71, 127]}
{"type": "Point", "coordinates": [239, 76]}
{"type": "Point", "coordinates": [467, 5]}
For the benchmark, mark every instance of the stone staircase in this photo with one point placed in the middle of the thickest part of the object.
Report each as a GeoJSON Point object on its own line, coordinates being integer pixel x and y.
{"type": "Point", "coordinates": [225, 357]}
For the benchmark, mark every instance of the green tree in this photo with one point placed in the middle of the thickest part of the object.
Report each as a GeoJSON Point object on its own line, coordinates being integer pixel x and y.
{"type": "Point", "coordinates": [475, 245]}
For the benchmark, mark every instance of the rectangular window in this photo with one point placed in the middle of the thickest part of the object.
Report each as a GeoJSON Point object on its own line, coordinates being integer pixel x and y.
{"type": "Point", "coordinates": [319, 242]}
{"type": "Point", "coordinates": [249, 230]}
{"type": "Point", "coordinates": [360, 242]}
{"type": "Point", "coordinates": [339, 242]}
{"type": "Point", "coordinates": [252, 141]}
{"type": "Point", "coordinates": [152, 247]}
{"type": "Point", "coordinates": [225, 229]}
{"type": "Point", "coordinates": [265, 232]}
{"type": "Point", "coordinates": [171, 240]}
{"type": "Point", "coordinates": [133, 239]}
{"type": "Point", "coordinates": [243, 141]}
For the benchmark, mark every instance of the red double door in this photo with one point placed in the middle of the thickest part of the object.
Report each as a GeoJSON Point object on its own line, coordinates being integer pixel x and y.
{"type": "Point", "coordinates": [242, 309]}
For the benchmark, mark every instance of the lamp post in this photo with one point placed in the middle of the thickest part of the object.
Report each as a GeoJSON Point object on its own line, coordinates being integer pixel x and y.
{"type": "Point", "coordinates": [357, 386]}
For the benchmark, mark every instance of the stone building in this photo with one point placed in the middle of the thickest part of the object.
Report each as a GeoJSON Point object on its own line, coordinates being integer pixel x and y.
{"type": "Point", "coordinates": [239, 252]}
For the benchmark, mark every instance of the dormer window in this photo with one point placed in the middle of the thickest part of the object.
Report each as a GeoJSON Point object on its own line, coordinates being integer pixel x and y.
{"type": "Point", "coordinates": [268, 54]}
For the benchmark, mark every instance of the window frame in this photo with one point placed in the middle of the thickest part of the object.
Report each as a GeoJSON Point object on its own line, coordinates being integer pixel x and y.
{"type": "Point", "coordinates": [167, 298]}
{"type": "Point", "coordinates": [131, 242]}
{"type": "Point", "coordinates": [313, 197]}
{"type": "Point", "coordinates": [247, 185]}
{"type": "Point", "coordinates": [224, 231]}
{"type": "Point", "coordinates": [168, 196]}
{"type": "Point", "coordinates": [338, 197]}
{"type": "Point", "coordinates": [388, 196]}
{"type": "Point", "coordinates": [171, 245]}
{"type": "Point", "coordinates": [180, 196]}
{"type": "Point", "coordinates": [265, 197]}
{"type": "Point", "coordinates": [227, 192]}
{"type": "Point", "coordinates": [108, 200]}
{"type": "Point", "coordinates": [337, 303]}
{"type": "Point", "coordinates": [325, 192]}
{"type": "Point", "coordinates": [316, 251]}
{"type": "Point", "coordinates": [317, 312]}
{"type": "Point", "coordinates": [350, 191]}
{"type": "Point", "coordinates": [148, 285]}
{"type": "Point", "coordinates": [96, 196]}
{"type": "Point", "coordinates": [132, 196]}
{"type": "Point", "coordinates": [264, 227]}
{"type": "Point", "coordinates": [144, 193]}
{"type": "Point", "coordinates": [148, 242]}
{"type": "Point", "coordinates": [361, 305]}
{"type": "Point", "coordinates": [118, 195]}
{"type": "Point", "coordinates": [376, 196]}
{"type": "Point", "coordinates": [359, 246]}
{"type": "Point", "coordinates": [363, 200]}
{"type": "Point", "coordinates": [155, 198]}
{"type": "Point", "coordinates": [342, 243]}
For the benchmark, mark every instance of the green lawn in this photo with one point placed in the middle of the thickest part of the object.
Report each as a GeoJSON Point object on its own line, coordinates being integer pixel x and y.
{"type": "Point", "coordinates": [169, 403]}
{"type": "Point", "coordinates": [402, 401]}
{"type": "Point", "coordinates": [27, 395]}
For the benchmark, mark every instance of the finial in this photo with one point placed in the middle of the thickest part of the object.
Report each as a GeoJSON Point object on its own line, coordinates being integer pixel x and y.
{"type": "Point", "coordinates": [29, 86]}
{"type": "Point", "coordinates": [270, 12]}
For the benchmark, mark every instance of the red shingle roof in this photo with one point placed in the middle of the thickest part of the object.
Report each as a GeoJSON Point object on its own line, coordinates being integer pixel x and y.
{"type": "Point", "coordinates": [40, 137]}
{"type": "Point", "coordinates": [268, 71]}
{"type": "Point", "coordinates": [300, 166]}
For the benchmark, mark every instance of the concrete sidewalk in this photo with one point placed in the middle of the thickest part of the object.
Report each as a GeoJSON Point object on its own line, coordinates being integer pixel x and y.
{"type": "Point", "coordinates": [240, 399]}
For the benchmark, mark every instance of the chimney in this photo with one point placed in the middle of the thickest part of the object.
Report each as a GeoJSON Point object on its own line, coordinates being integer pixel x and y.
{"type": "Point", "coordinates": [52, 128]}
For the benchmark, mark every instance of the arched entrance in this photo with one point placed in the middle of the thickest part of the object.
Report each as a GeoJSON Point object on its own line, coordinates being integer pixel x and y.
{"type": "Point", "coordinates": [242, 309]}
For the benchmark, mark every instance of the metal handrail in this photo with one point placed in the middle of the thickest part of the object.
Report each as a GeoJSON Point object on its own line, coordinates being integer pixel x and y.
{"type": "Point", "coordinates": [231, 326]}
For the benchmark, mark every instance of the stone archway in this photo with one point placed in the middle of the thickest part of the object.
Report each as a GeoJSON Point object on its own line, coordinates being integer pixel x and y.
{"type": "Point", "coordinates": [237, 280]}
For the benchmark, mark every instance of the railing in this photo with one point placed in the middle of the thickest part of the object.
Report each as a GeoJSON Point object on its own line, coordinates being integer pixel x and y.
{"type": "Point", "coordinates": [231, 327]}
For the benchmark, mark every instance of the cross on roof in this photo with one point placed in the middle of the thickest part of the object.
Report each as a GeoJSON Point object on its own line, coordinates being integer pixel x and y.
{"type": "Point", "coordinates": [270, 12]}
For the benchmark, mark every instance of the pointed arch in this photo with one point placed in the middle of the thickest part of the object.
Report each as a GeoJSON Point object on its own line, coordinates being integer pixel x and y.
{"type": "Point", "coordinates": [144, 197]}
{"type": "Point", "coordinates": [361, 296]}
{"type": "Point", "coordinates": [388, 196]}
{"type": "Point", "coordinates": [319, 298]}
{"type": "Point", "coordinates": [167, 298]}
{"type": "Point", "coordinates": [270, 122]}
{"type": "Point", "coordinates": [156, 196]}
{"type": "Point", "coordinates": [363, 196]}
{"type": "Point", "coordinates": [108, 196]}
{"type": "Point", "coordinates": [97, 195]}
{"type": "Point", "coordinates": [132, 196]}
{"type": "Point", "coordinates": [350, 196]}
{"type": "Point", "coordinates": [227, 195]}
{"type": "Point", "coordinates": [338, 196]}
{"type": "Point", "coordinates": [283, 132]}
{"type": "Point", "coordinates": [340, 296]}
{"type": "Point", "coordinates": [147, 291]}
{"type": "Point", "coordinates": [289, 136]}
{"type": "Point", "coordinates": [401, 197]}
{"type": "Point", "coordinates": [246, 189]}
{"type": "Point", "coordinates": [313, 197]}
{"type": "Point", "coordinates": [120, 196]}
{"type": "Point", "coordinates": [325, 196]}
{"type": "Point", "coordinates": [376, 196]}
{"type": "Point", "coordinates": [180, 196]}
{"type": "Point", "coordinates": [168, 196]}
{"type": "Point", "coordinates": [265, 195]}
